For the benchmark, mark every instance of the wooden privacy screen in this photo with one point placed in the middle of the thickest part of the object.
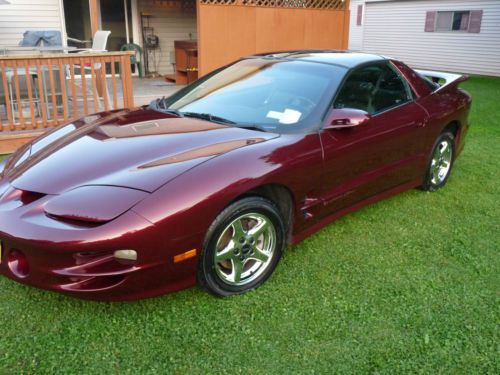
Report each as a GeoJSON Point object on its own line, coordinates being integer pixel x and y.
{"type": "Point", "coordinates": [230, 29]}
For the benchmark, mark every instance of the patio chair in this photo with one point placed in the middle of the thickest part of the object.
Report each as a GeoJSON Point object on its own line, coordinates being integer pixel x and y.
{"type": "Point", "coordinates": [135, 59]}
{"type": "Point", "coordinates": [99, 44]}
{"type": "Point", "coordinates": [31, 38]}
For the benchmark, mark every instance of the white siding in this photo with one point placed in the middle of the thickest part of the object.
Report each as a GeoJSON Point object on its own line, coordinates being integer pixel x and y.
{"type": "Point", "coordinates": [170, 24]}
{"type": "Point", "coordinates": [22, 15]}
{"type": "Point", "coordinates": [396, 29]}
{"type": "Point", "coordinates": [355, 30]}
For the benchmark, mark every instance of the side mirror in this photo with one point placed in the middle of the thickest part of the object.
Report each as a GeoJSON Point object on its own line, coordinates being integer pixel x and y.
{"type": "Point", "coordinates": [343, 118]}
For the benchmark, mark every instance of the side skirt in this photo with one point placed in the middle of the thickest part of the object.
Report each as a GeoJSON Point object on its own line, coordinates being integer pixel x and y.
{"type": "Point", "coordinates": [298, 237]}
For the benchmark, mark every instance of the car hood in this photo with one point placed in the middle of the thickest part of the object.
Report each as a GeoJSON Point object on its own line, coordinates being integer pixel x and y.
{"type": "Point", "coordinates": [140, 149]}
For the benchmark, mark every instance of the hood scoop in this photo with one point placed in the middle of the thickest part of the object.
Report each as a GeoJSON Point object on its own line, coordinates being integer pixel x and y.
{"type": "Point", "coordinates": [157, 127]}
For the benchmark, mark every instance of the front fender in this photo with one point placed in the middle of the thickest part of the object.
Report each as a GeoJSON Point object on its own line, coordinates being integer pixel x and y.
{"type": "Point", "coordinates": [192, 201]}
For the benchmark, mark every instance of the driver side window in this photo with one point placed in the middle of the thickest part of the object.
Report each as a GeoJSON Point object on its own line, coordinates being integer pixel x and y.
{"type": "Point", "coordinates": [373, 89]}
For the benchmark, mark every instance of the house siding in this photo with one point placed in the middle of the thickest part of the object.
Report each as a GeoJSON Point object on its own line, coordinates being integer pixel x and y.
{"type": "Point", "coordinates": [22, 15]}
{"type": "Point", "coordinates": [170, 24]}
{"type": "Point", "coordinates": [396, 29]}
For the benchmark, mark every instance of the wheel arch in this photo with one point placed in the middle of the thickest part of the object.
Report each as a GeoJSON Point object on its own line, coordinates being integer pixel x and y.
{"type": "Point", "coordinates": [453, 127]}
{"type": "Point", "coordinates": [281, 196]}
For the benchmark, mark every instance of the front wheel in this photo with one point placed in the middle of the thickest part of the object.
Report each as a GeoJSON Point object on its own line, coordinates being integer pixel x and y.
{"type": "Point", "coordinates": [441, 163]}
{"type": "Point", "coordinates": [243, 247]}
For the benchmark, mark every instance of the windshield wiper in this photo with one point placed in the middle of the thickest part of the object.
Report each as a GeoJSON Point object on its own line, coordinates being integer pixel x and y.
{"type": "Point", "coordinates": [209, 117]}
{"type": "Point", "coordinates": [160, 106]}
{"type": "Point", "coordinates": [253, 127]}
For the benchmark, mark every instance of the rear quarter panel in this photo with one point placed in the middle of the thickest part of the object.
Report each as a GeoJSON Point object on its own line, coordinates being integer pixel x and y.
{"type": "Point", "coordinates": [444, 107]}
{"type": "Point", "coordinates": [447, 106]}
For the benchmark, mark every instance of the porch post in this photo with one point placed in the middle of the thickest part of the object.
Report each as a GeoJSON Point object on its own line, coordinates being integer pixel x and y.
{"type": "Point", "coordinates": [94, 16]}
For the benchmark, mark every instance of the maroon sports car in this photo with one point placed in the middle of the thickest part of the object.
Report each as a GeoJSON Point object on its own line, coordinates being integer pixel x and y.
{"type": "Point", "coordinates": [210, 184]}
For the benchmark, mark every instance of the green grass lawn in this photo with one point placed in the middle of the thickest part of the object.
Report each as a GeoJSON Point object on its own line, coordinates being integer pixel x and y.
{"type": "Point", "coordinates": [409, 285]}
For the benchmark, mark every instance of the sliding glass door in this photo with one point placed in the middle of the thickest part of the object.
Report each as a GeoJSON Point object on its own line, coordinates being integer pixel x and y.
{"type": "Point", "coordinates": [77, 19]}
{"type": "Point", "coordinates": [116, 16]}
{"type": "Point", "coordinates": [113, 15]}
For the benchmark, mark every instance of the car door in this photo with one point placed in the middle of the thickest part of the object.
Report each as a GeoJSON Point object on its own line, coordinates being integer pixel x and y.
{"type": "Point", "coordinates": [363, 161]}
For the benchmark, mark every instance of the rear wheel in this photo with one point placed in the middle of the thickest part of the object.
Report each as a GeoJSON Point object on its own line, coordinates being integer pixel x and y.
{"type": "Point", "coordinates": [441, 163]}
{"type": "Point", "coordinates": [243, 247]}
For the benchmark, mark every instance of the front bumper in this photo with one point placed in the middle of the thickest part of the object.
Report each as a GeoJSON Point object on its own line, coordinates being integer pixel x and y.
{"type": "Point", "coordinates": [78, 260]}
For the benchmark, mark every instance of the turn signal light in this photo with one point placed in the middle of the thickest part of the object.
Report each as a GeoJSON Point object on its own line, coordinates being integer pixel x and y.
{"type": "Point", "coordinates": [184, 256]}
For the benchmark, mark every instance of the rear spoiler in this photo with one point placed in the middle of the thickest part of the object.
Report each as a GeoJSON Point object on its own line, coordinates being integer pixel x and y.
{"type": "Point", "coordinates": [449, 78]}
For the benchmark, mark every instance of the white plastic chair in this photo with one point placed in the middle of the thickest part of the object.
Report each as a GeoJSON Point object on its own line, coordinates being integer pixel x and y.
{"type": "Point", "coordinates": [98, 45]}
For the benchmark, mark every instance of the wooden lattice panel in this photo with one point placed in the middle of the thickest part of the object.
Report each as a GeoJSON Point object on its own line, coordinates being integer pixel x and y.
{"type": "Point", "coordinates": [219, 2]}
{"type": "Point", "coordinates": [304, 4]}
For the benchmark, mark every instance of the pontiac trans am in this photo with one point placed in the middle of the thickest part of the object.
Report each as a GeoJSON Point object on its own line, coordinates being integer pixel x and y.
{"type": "Point", "coordinates": [209, 185]}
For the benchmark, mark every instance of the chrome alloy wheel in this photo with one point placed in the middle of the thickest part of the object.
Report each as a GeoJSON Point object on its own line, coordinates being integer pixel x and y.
{"type": "Point", "coordinates": [441, 161]}
{"type": "Point", "coordinates": [245, 249]}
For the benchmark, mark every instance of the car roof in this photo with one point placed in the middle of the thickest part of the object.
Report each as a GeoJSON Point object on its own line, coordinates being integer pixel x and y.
{"type": "Point", "coordinates": [346, 59]}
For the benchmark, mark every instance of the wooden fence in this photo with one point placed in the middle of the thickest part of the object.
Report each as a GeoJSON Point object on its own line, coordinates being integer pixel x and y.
{"type": "Point", "coordinates": [42, 91]}
{"type": "Point", "coordinates": [229, 29]}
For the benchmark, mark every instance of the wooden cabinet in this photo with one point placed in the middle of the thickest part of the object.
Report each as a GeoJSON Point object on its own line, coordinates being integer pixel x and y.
{"type": "Point", "coordinates": [186, 60]}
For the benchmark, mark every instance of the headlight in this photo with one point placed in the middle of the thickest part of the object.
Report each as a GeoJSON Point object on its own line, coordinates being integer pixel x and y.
{"type": "Point", "coordinates": [94, 204]}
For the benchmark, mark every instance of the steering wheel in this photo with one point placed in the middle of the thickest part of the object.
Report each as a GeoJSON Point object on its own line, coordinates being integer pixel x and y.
{"type": "Point", "coordinates": [374, 92]}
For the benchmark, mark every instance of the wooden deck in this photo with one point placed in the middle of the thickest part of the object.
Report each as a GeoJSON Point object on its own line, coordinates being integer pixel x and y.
{"type": "Point", "coordinates": [39, 92]}
{"type": "Point", "coordinates": [144, 91]}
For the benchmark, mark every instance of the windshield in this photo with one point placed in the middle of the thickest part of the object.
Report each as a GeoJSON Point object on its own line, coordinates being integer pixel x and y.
{"type": "Point", "coordinates": [273, 95]}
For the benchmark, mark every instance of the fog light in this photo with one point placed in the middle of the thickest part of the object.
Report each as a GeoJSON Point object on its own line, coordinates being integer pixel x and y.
{"type": "Point", "coordinates": [126, 254]}
{"type": "Point", "coordinates": [18, 264]}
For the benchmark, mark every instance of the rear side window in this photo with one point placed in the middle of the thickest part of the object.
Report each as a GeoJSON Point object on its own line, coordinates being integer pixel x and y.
{"type": "Point", "coordinates": [374, 89]}
{"type": "Point", "coordinates": [431, 84]}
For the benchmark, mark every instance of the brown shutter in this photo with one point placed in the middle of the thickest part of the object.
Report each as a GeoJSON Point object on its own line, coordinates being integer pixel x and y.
{"type": "Point", "coordinates": [430, 21]}
{"type": "Point", "coordinates": [464, 23]}
{"type": "Point", "coordinates": [476, 17]}
{"type": "Point", "coordinates": [359, 16]}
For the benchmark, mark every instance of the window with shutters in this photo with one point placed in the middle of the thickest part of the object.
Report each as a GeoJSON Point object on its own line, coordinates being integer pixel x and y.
{"type": "Point", "coordinates": [454, 21]}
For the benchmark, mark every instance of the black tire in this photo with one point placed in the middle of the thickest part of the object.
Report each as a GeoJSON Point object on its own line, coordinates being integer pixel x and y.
{"type": "Point", "coordinates": [260, 212]}
{"type": "Point", "coordinates": [435, 179]}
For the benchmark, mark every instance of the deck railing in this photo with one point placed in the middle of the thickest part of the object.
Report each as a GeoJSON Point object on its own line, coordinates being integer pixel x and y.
{"type": "Point", "coordinates": [43, 91]}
